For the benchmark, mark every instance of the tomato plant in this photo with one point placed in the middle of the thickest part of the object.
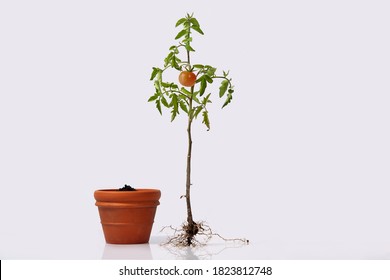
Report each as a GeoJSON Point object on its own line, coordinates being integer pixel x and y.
{"type": "Point", "coordinates": [192, 102]}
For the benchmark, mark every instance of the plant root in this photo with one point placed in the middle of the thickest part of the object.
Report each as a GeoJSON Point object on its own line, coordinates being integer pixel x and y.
{"type": "Point", "coordinates": [196, 235]}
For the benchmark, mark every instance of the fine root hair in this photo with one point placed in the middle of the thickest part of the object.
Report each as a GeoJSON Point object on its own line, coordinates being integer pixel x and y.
{"type": "Point", "coordinates": [196, 235]}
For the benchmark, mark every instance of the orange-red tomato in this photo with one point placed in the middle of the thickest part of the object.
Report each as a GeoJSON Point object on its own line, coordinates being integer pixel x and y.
{"type": "Point", "coordinates": [187, 78]}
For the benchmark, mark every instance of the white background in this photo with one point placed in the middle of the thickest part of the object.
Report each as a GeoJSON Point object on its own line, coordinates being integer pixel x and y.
{"type": "Point", "coordinates": [298, 163]}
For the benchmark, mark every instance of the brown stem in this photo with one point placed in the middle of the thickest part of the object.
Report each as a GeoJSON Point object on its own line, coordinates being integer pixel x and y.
{"type": "Point", "coordinates": [188, 181]}
{"type": "Point", "coordinates": [191, 229]}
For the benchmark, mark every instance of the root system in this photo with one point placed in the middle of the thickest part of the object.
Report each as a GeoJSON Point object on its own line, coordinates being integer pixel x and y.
{"type": "Point", "coordinates": [199, 234]}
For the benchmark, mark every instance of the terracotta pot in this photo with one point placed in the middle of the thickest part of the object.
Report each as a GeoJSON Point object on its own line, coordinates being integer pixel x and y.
{"type": "Point", "coordinates": [127, 216]}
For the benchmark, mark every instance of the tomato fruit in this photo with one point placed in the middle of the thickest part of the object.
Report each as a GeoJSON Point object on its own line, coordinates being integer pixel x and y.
{"type": "Point", "coordinates": [187, 78]}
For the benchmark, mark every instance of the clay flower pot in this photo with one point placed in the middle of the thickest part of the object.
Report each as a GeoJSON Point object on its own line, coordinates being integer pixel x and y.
{"type": "Point", "coordinates": [127, 216]}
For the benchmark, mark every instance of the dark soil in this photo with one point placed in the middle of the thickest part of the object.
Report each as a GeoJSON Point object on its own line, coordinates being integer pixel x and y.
{"type": "Point", "coordinates": [127, 188]}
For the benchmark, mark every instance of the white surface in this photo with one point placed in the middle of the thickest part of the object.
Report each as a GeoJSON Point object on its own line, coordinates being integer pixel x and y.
{"type": "Point", "coordinates": [298, 163]}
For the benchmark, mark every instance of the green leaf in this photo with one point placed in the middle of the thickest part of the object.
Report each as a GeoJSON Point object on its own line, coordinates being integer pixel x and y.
{"type": "Point", "coordinates": [164, 102]}
{"type": "Point", "coordinates": [194, 21]}
{"type": "Point", "coordinates": [165, 85]}
{"type": "Point", "coordinates": [223, 87]}
{"type": "Point", "coordinates": [174, 102]}
{"type": "Point", "coordinates": [181, 34]}
{"type": "Point", "coordinates": [173, 115]}
{"type": "Point", "coordinates": [183, 106]}
{"type": "Point", "coordinates": [203, 85]}
{"type": "Point", "coordinates": [174, 86]}
{"type": "Point", "coordinates": [189, 48]}
{"type": "Point", "coordinates": [186, 24]}
{"type": "Point", "coordinates": [174, 49]}
{"type": "Point", "coordinates": [168, 59]}
{"type": "Point", "coordinates": [180, 21]}
{"type": "Point", "coordinates": [159, 75]}
{"type": "Point", "coordinates": [206, 99]}
{"type": "Point", "coordinates": [198, 110]}
{"type": "Point", "coordinates": [208, 78]}
{"type": "Point", "coordinates": [154, 73]}
{"type": "Point", "coordinates": [206, 120]}
{"type": "Point", "coordinates": [198, 66]}
{"type": "Point", "coordinates": [228, 99]}
{"type": "Point", "coordinates": [211, 71]}
{"type": "Point", "coordinates": [195, 98]}
{"type": "Point", "coordinates": [153, 97]}
{"type": "Point", "coordinates": [158, 106]}
{"type": "Point", "coordinates": [186, 92]}
{"type": "Point", "coordinates": [187, 40]}
{"type": "Point", "coordinates": [158, 87]}
{"type": "Point", "coordinates": [175, 62]}
{"type": "Point", "coordinates": [197, 29]}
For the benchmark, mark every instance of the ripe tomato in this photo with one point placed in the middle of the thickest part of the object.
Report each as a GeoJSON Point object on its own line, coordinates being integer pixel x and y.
{"type": "Point", "coordinates": [187, 78]}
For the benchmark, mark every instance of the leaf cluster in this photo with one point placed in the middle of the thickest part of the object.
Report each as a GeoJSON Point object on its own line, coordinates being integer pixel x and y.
{"type": "Point", "coordinates": [178, 99]}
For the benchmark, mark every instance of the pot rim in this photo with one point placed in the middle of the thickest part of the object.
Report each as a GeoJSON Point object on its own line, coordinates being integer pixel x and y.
{"type": "Point", "coordinates": [114, 195]}
{"type": "Point", "coordinates": [136, 190]}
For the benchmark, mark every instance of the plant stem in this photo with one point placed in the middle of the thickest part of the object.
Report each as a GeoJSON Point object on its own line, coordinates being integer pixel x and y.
{"type": "Point", "coordinates": [188, 59]}
{"type": "Point", "coordinates": [188, 180]}
{"type": "Point", "coordinates": [188, 52]}
{"type": "Point", "coordinates": [192, 229]}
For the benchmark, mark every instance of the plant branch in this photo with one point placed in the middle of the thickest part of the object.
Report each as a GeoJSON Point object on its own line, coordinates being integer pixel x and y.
{"type": "Point", "coordinates": [222, 77]}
